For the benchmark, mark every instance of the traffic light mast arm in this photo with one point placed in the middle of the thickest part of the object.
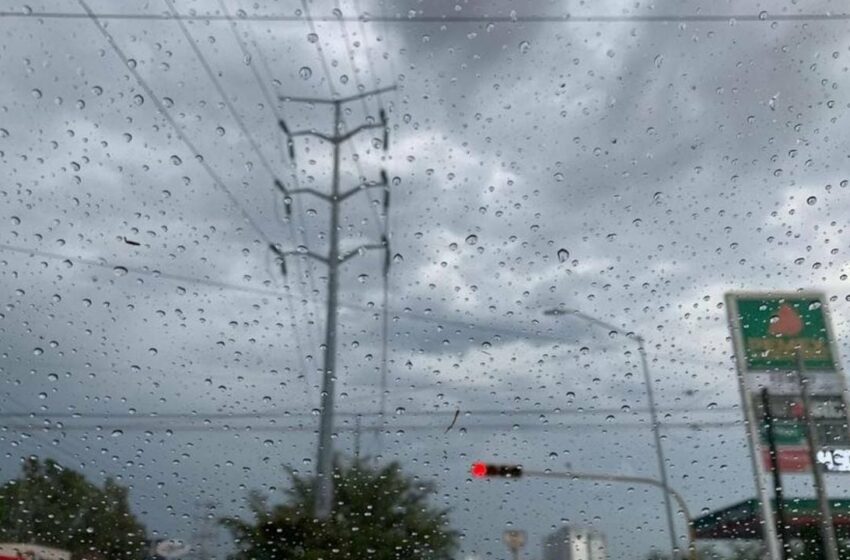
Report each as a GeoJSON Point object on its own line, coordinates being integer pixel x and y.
{"type": "Point", "coordinates": [635, 480]}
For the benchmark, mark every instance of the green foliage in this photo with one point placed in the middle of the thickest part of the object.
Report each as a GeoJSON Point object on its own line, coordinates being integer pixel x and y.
{"type": "Point", "coordinates": [50, 505]}
{"type": "Point", "coordinates": [379, 514]}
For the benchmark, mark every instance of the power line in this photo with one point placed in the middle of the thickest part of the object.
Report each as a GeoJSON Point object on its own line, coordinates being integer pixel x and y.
{"type": "Point", "coordinates": [256, 149]}
{"type": "Point", "coordinates": [361, 176]}
{"type": "Point", "coordinates": [42, 438]}
{"type": "Point", "coordinates": [404, 314]}
{"type": "Point", "coordinates": [438, 428]}
{"type": "Point", "coordinates": [203, 416]}
{"type": "Point", "coordinates": [318, 44]}
{"type": "Point", "coordinates": [273, 107]}
{"type": "Point", "coordinates": [386, 222]}
{"type": "Point", "coordinates": [494, 329]}
{"type": "Point", "coordinates": [167, 116]}
{"type": "Point", "coordinates": [185, 139]}
{"type": "Point", "coordinates": [385, 299]}
{"type": "Point", "coordinates": [763, 17]}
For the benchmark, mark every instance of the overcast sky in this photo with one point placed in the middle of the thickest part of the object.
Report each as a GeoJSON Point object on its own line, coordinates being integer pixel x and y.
{"type": "Point", "coordinates": [636, 170]}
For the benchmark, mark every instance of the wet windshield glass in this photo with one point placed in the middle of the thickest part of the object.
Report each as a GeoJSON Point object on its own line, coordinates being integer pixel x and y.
{"type": "Point", "coordinates": [377, 279]}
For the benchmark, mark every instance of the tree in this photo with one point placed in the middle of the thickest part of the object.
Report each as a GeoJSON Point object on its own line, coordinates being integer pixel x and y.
{"type": "Point", "coordinates": [54, 506]}
{"type": "Point", "coordinates": [378, 514]}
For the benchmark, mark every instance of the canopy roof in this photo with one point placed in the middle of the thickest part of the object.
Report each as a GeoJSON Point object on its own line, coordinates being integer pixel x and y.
{"type": "Point", "coordinates": [743, 520]}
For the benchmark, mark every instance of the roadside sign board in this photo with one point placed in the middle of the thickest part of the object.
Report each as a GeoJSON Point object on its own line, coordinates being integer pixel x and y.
{"type": "Point", "coordinates": [768, 331]}
{"type": "Point", "coordinates": [789, 459]}
{"type": "Point", "coordinates": [772, 328]}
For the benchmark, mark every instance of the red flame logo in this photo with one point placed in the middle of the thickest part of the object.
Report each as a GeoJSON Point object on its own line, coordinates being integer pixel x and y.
{"type": "Point", "coordinates": [787, 322]}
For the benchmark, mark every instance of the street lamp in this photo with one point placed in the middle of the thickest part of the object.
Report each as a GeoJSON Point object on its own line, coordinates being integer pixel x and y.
{"type": "Point", "coordinates": [650, 397]}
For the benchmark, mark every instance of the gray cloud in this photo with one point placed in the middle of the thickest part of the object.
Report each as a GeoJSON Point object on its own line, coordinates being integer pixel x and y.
{"type": "Point", "coordinates": [673, 162]}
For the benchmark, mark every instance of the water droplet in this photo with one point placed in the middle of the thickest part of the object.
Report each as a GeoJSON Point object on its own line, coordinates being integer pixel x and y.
{"type": "Point", "coordinates": [52, 377]}
{"type": "Point", "coordinates": [400, 410]}
{"type": "Point", "coordinates": [42, 396]}
{"type": "Point", "coordinates": [559, 176]}
{"type": "Point", "coordinates": [4, 133]}
{"type": "Point", "coordinates": [658, 61]}
{"type": "Point", "coordinates": [471, 239]}
{"type": "Point", "coordinates": [812, 200]}
{"type": "Point", "coordinates": [362, 278]}
{"type": "Point", "coordinates": [610, 53]}
{"type": "Point", "coordinates": [563, 255]}
{"type": "Point", "coordinates": [168, 102]}
{"type": "Point", "coordinates": [38, 351]}
{"type": "Point", "coordinates": [762, 15]}
{"type": "Point", "coordinates": [305, 72]}
{"type": "Point", "coordinates": [117, 433]}
{"type": "Point", "coordinates": [219, 130]}
{"type": "Point", "coordinates": [128, 137]}
{"type": "Point", "coordinates": [138, 99]}
{"type": "Point", "coordinates": [37, 93]}
{"type": "Point", "coordinates": [397, 258]}
{"type": "Point", "coordinates": [16, 220]}
{"type": "Point", "coordinates": [97, 90]}
{"type": "Point", "coordinates": [120, 271]}
{"type": "Point", "coordinates": [176, 160]}
{"type": "Point", "coordinates": [312, 37]}
{"type": "Point", "coordinates": [524, 47]}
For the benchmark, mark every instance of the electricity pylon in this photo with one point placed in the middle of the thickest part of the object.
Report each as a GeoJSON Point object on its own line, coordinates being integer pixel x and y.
{"type": "Point", "coordinates": [333, 260]}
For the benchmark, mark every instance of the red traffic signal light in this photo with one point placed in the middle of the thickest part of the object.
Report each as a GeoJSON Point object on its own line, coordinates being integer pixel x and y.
{"type": "Point", "coordinates": [481, 470]}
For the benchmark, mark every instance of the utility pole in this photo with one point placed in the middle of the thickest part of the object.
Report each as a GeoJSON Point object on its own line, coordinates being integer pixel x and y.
{"type": "Point", "coordinates": [827, 529]}
{"type": "Point", "coordinates": [324, 464]}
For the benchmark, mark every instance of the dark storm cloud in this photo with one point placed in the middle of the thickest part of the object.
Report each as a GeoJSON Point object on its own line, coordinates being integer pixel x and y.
{"type": "Point", "coordinates": [629, 145]}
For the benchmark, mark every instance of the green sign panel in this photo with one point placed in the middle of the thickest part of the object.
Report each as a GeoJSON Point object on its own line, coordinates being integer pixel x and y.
{"type": "Point", "coordinates": [773, 329]}
{"type": "Point", "coordinates": [786, 432]}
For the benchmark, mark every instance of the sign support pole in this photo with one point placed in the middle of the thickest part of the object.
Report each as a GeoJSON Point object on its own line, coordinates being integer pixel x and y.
{"type": "Point", "coordinates": [827, 531]}
{"type": "Point", "coordinates": [768, 525]}
{"type": "Point", "coordinates": [782, 525]}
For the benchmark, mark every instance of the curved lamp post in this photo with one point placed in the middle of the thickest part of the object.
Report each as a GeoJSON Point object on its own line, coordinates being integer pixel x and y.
{"type": "Point", "coordinates": [650, 396]}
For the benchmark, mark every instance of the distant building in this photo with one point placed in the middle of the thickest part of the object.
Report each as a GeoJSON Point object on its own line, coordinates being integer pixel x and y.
{"type": "Point", "coordinates": [575, 543]}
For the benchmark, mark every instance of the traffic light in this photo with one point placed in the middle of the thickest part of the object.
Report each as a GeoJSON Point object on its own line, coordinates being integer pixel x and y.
{"type": "Point", "coordinates": [480, 470]}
